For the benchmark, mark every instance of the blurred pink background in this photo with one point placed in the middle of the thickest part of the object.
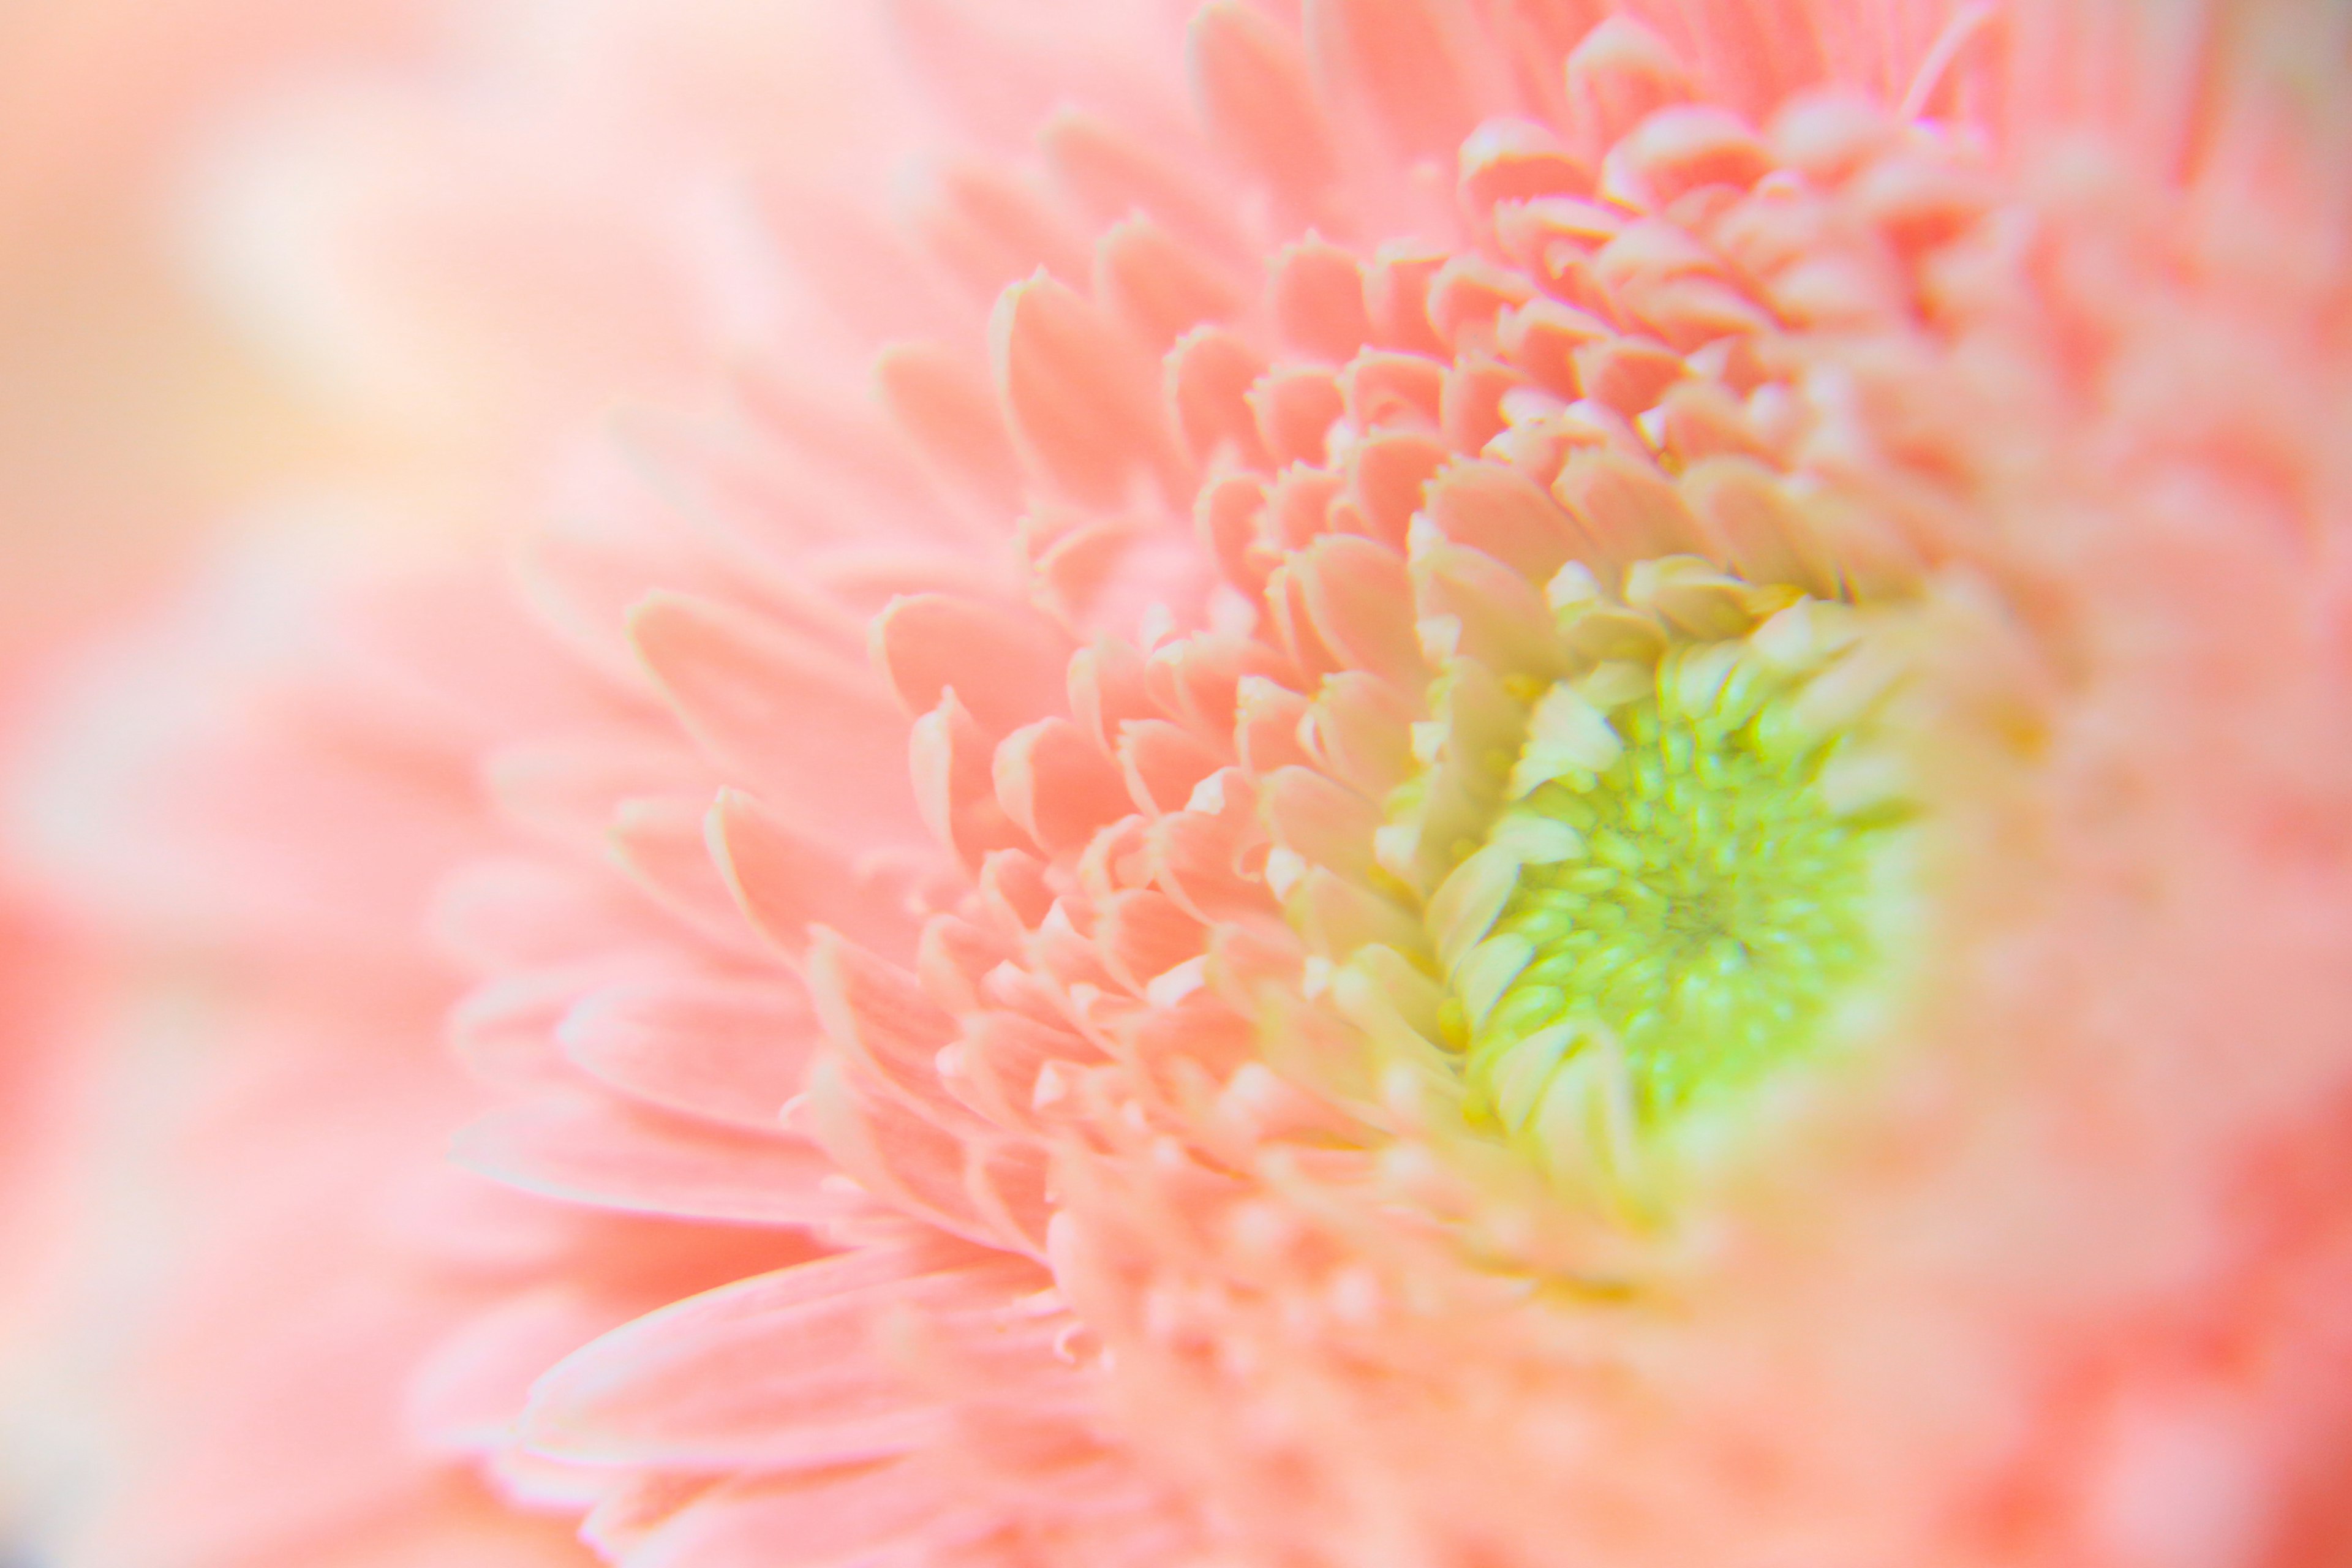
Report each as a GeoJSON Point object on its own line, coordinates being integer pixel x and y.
{"type": "Point", "coordinates": [131, 416]}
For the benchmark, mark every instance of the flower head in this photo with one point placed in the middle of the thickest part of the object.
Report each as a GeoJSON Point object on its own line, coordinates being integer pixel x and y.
{"type": "Point", "coordinates": [1621, 845]}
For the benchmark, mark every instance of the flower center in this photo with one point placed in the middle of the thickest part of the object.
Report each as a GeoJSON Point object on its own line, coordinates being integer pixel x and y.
{"type": "Point", "coordinates": [1690, 880]}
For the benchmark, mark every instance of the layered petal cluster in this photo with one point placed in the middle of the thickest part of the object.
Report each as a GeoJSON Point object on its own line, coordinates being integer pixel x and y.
{"type": "Point", "coordinates": [285, 1329]}
{"type": "Point", "coordinates": [1541, 788]}
{"type": "Point", "coordinates": [1624, 723]}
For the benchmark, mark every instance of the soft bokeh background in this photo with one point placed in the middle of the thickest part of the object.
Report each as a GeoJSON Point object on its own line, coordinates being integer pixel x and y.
{"type": "Point", "coordinates": [203, 304]}
{"type": "Point", "coordinates": [240, 296]}
{"type": "Point", "coordinates": [137, 423]}
{"type": "Point", "coordinates": [132, 415]}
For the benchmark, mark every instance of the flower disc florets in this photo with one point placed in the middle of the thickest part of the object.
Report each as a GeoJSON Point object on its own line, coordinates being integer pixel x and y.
{"type": "Point", "coordinates": [1690, 910]}
{"type": "Point", "coordinates": [1688, 861]}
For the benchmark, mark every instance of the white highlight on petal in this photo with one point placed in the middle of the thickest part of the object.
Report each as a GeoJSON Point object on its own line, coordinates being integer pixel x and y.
{"type": "Point", "coordinates": [1397, 849]}
{"type": "Point", "coordinates": [1573, 584]}
{"type": "Point", "coordinates": [1537, 840]}
{"type": "Point", "coordinates": [1315, 977]}
{"type": "Point", "coordinates": [1805, 635]}
{"type": "Point", "coordinates": [1856, 781]}
{"type": "Point", "coordinates": [1585, 1122]}
{"type": "Point", "coordinates": [1488, 972]}
{"type": "Point", "coordinates": [1566, 734]}
{"type": "Point", "coordinates": [1469, 901]}
{"type": "Point", "coordinates": [1440, 637]}
{"type": "Point", "coordinates": [1168, 989]}
{"type": "Point", "coordinates": [1429, 741]}
{"type": "Point", "coordinates": [1524, 1072]}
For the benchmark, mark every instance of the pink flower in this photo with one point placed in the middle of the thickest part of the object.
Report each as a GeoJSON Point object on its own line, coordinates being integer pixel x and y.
{"type": "Point", "coordinates": [1625, 844]}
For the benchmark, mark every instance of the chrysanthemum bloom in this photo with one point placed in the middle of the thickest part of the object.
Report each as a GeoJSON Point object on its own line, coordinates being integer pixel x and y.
{"type": "Point", "coordinates": [1627, 831]}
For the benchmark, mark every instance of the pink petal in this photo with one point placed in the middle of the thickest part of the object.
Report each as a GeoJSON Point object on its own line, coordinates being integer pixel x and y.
{"type": "Point", "coordinates": [1294, 406]}
{"type": "Point", "coordinates": [784, 880]}
{"type": "Point", "coordinates": [1107, 689]}
{"type": "Point", "coordinates": [902, 1158]}
{"type": "Point", "coordinates": [771, 703]}
{"type": "Point", "coordinates": [521, 914]}
{"type": "Point", "coordinates": [1143, 934]}
{"type": "Point", "coordinates": [562, 787]}
{"type": "Point", "coordinates": [1057, 784]}
{"type": "Point", "coordinates": [1014, 888]}
{"type": "Point", "coordinates": [1518, 161]}
{"type": "Point", "coordinates": [1317, 292]}
{"type": "Point", "coordinates": [775, 1370]}
{"type": "Point", "coordinates": [874, 1009]}
{"type": "Point", "coordinates": [1228, 515]}
{"type": "Point", "coordinates": [1763, 535]}
{"type": "Point", "coordinates": [1322, 819]}
{"type": "Point", "coordinates": [1703, 420]}
{"type": "Point", "coordinates": [1470, 409]}
{"type": "Point", "coordinates": [1361, 730]}
{"type": "Point", "coordinates": [1679, 149]}
{"type": "Point", "coordinates": [947, 410]}
{"type": "Point", "coordinates": [993, 1067]}
{"type": "Point", "coordinates": [728, 1051]}
{"type": "Point", "coordinates": [1361, 599]}
{"type": "Point", "coordinates": [1627, 510]}
{"type": "Point", "coordinates": [1265, 727]}
{"type": "Point", "coordinates": [1251, 84]}
{"type": "Point", "coordinates": [1007, 665]}
{"type": "Point", "coordinates": [504, 1030]}
{"type": "Point", "coordinates": [1653, 248]}
{"type": "Point", "coordinates": [893, 1515]}
{"type": "Point", "coordinates": [1617, 77]}
{"type": "Point", "coordinates": [1628, 374]}
{"type": "Point", "coordinates": [661, 845]}
{"type": "Point", "coordinates": [468, 1391]}
{"type": "Point", "coordinates": [953, 954]}
{"type": "Point", "coordinates": [1113, 172]}
{"type": "Point", "coordinates": [1828, 134]}
{"type": "Point", "coordinates": [952, 765]}
{"type": "Point", "coordinates": [1494, 508]}
{"type": "Point", "coordinates": [1210, 372]}
{"type": "Point", "coordinates": [1505, 624]}
{"type": "Point", "coordinates": [1467, 297]}
{"type": "Point", "coordinates": [1405, 60]}
{"type": "Point", "coordinates": [1159, 287]}
{"type": "Point", "coordinates": [1203, 859]}
{"type": "Point", "coordinates": [990, 226]}
{"type": "Point", "coordinates": [1543, 337]}
{"type": "Point", "coordinates": [1080, 394]}
{"type": "Point", "coordinates": [1007, 1181]}
{"type": "Point", "coordinates": [1196, 680]}
{"type": "Point", "coordinates": [878, 1017]}
{"type": "Point", "coordinates": [1162, 763]}
{"type": "Point", "coordinates": [1386, 477]}
{"type": "Point", "coordinates": [614, 1155]}
{"type": "Point", "coordinates": [1385, 390]}
{"type": "Point", "coordinates": [1286, 594]}
{"type": "Point", "coordinates": [1397, 289]}
{"type": "Point", "coordinates": [1299, 508]}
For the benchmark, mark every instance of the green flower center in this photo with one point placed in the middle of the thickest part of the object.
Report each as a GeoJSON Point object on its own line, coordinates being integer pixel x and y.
{"type": "Point", "coordinates": [1686, 914]}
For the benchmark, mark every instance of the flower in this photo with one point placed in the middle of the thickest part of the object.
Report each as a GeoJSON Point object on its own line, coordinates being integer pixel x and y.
{"type": "Point", "coordinates": [1623, 845]}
